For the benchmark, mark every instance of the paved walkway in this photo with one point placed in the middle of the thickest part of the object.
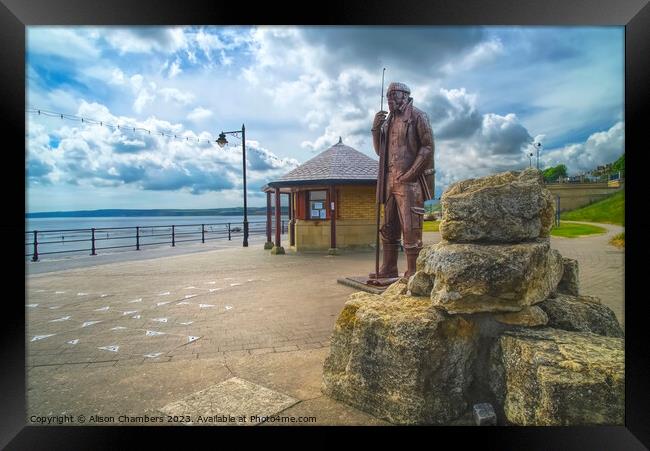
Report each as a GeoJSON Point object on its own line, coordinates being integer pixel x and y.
{"type": "Point", "coordinates": [133, 336]}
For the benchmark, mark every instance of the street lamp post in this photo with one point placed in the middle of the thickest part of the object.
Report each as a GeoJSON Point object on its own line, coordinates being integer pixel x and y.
{"type": "Point", "coordinates": [222, 142]}
{"type": "Point", "coordinates": [537, 146]}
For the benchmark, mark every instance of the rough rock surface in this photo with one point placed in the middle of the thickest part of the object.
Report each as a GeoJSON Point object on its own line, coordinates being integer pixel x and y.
{"type": "Point", "coordinates": [507, 208]}
{"type": "Point", "coordinates": [398, 358]}
{"type": "Point", "coordinates": [399, 287]}
{"type": "Point", "coordinates": [472, 278]}
{"type": "Point", "coordinates": [581, 313]}
{"type": "Point", "coordinates": [420, 284]}
{"type": "Point", "coordinates": [550, 377]}
{"type": "Point", "coordinates": [425, 253]}
{"type": "Point", "coordinates": [528, 316]}
{"type": "Point", "coordinates": [570, 283]}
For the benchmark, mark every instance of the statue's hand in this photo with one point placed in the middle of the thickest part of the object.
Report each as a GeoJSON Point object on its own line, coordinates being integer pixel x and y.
{"type": "Point", "coordinates": [407, 177]}
{"type": "Point", "coordinates": [380, 117]}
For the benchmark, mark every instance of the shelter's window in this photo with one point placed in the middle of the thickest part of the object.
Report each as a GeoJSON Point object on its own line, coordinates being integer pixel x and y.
{"type": "Point", "coordinates": [317, 204]}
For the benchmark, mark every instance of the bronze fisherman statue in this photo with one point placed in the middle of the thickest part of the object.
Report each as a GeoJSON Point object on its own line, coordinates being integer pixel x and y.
{"type": "Point", "coordinates": [404, 143]}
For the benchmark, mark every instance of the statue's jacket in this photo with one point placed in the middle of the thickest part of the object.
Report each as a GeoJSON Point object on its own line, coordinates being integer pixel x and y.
{"type": "Point", "coordinates": [415, 152]}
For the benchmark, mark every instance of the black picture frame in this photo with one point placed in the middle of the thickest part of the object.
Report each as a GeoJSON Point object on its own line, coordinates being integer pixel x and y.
{"type": "Point", "coordinates": [15, 15]}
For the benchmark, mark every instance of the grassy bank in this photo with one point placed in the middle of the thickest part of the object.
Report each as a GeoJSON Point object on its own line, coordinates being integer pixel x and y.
{"type": "Point", "coordinates": [566, 229]}
{"type": "Point", "coordinates": [610, 210]}
{"type": "Point", "coordinates": [431, 226]}
{"type": "Point", "coordinates": [569, 230]}
{"type": "Point", "coordinates": [618, 240]}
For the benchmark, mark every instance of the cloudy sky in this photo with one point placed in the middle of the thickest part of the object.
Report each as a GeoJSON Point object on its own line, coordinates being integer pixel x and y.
{"type": "Point", "coordinates": [490, 92]}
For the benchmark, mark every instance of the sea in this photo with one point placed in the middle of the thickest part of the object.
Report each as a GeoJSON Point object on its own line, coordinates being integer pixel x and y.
{"type": "Point", "coordinates": [59, 237]}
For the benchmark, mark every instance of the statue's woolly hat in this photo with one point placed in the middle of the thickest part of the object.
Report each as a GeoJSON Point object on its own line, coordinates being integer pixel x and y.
{"type": "Point", "coordinates": [397, 86]}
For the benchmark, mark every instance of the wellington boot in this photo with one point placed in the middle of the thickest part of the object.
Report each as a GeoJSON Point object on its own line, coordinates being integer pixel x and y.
{"type": "Point", "coordinates": [388, 267]}
{"type": "Point", "coordinates": [411, 262]}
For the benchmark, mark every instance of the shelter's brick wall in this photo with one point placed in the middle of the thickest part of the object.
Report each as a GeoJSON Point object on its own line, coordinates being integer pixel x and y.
{"type": "Point", "coordinates": [357, 202]}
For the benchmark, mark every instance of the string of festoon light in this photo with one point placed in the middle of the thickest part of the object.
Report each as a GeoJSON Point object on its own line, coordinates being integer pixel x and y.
{"type": "Point", "coordinates": [124, 127]}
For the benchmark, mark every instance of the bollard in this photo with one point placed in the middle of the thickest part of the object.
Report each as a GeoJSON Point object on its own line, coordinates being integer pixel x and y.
{"type": "Point", "coordinates": [35, 256]}
{"type": "Point", "coordinates": [137, 238]}
{"type": "Point", "coordinates": [92, 242]}
{"type": "Point", "coordinates": [229, 232]}
{"type": "Point", "coordinates": [202, 233]}
{"type": "Point", "coordinates": [173, 237]}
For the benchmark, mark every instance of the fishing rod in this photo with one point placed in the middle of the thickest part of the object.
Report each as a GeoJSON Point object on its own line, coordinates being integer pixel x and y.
{"type": "Point", "coordinates": [381, 108]}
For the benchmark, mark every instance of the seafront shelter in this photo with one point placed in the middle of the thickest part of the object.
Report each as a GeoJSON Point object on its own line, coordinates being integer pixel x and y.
{"type": "Point", "coordinates": [332, 202]}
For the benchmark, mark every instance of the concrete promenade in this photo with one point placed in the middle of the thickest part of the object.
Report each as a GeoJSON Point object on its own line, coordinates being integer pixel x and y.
{"type": "Point", "coordinates": [183, 332]}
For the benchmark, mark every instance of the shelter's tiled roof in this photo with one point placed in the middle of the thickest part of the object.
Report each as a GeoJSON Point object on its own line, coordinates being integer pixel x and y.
{"type": "Point", "coordinates": [339, 163]}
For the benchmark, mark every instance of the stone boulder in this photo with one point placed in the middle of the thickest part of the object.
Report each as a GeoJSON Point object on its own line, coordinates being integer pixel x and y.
{"type": "Point", "coordinates": [471, 278]}
{"type": "Point", "coordinates": [582, 314]}
{"type": "Point", "coordinates": [570, 283]}
{"type": "Point", "coordinates": [505, 208]}
{"type": "Point", "coordinates": [399, 359]}
{"type": "Point", "coordinates": [550, 377]}
{"type": "Point", "coordinates": [420, 284]}
{"type": "Point", "coordinates": [531, 316]}
{"type": "Point", "coordinates": [396, 288]}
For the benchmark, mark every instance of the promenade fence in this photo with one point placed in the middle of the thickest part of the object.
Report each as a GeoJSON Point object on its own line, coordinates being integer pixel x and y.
{"type": "Point", "coordinates": [95, 240]}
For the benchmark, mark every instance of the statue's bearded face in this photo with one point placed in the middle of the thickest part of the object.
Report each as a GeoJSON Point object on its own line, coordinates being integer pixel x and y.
{"type": "Point", "coordinates": [396, 99]}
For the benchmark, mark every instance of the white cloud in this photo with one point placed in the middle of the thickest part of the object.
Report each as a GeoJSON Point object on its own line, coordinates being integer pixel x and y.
{"type": "Point", "coordinates": [199, 113]}
{"type": "Point", "coordinates": [144, 39]}
{"type": "Point", "coordinates": [175, 69]}
{"type": "Point", "coordinates": [96, 156]}
{"type": "Point", "coordinates": [598, 149]}
{"type": "Point", "coordinates": [62, 42]}
{"type": "Point", "coordinates": [176, 95]}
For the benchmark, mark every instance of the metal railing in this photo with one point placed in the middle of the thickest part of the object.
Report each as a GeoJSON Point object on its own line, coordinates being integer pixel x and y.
{"type": "Point", "coordinates": [47, 242]}
{"type": "Point", "coordinates": [586, 178]}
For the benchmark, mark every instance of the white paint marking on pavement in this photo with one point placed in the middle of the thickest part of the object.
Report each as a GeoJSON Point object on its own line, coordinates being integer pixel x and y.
{"type": "Point", "coordinates": [135, 300]}
{"type": "Point", "coordinates": [82, 294]}
{"type": "Point", "coordinates": [73, 342]}
{"type": "Point", "coordinates": [205, 305]}
{"type": "Point", "coordinates": [211, 283]}
{"type": "Point", "coordinates": [153, 333]}
{"type": "Point", "coordinates": [158, 304]}
{"type": "Point", "coordinates": [89, 323]}
{"type": "Point", "coordinates": [102, 309]}
{"type": "Point", "coordinates": [183, 303]}
{"type": "Point", "coordinates": [212, 290]}
{"type": "Point", "coordinates": [32, 305]}
{"type": "Point", "coordinates": [187, 296]}
{"type": "Point", "coordinates": [235, 284]}
{"type": "Point", "coordinates": [187, 323]}
{"type": "Point", "coordinates": [136, 316]}
{"type": "Point", "coordinates": [160, 320]}
{"type": "Point", "coordinates": [166, 293]}
{"type": "Point", "coordinates": [104, 295]}
{"type": "Point", "coordinates": [112, 348]}
{"type": "Point", "coordinates": [59, 292]}
{"type": "Point", "coordinates": [154, 355]}
{"type": "Point", "coordinates": [192, 338]}
{"type": "Point", "coordinates": [190, 288]}
{"type": "Point", "coordinates": [40, 337]}
{"type": "Point", "coordinates": [130, 312]}
{"type": "Point", "coordinates": [228, 307]}
{"type": "Point", "coordinates": [64, 318]}
{"type": "Point", "coordinates": [118, 328]}
{"type": "Point", "coordinates": [54, 307]}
